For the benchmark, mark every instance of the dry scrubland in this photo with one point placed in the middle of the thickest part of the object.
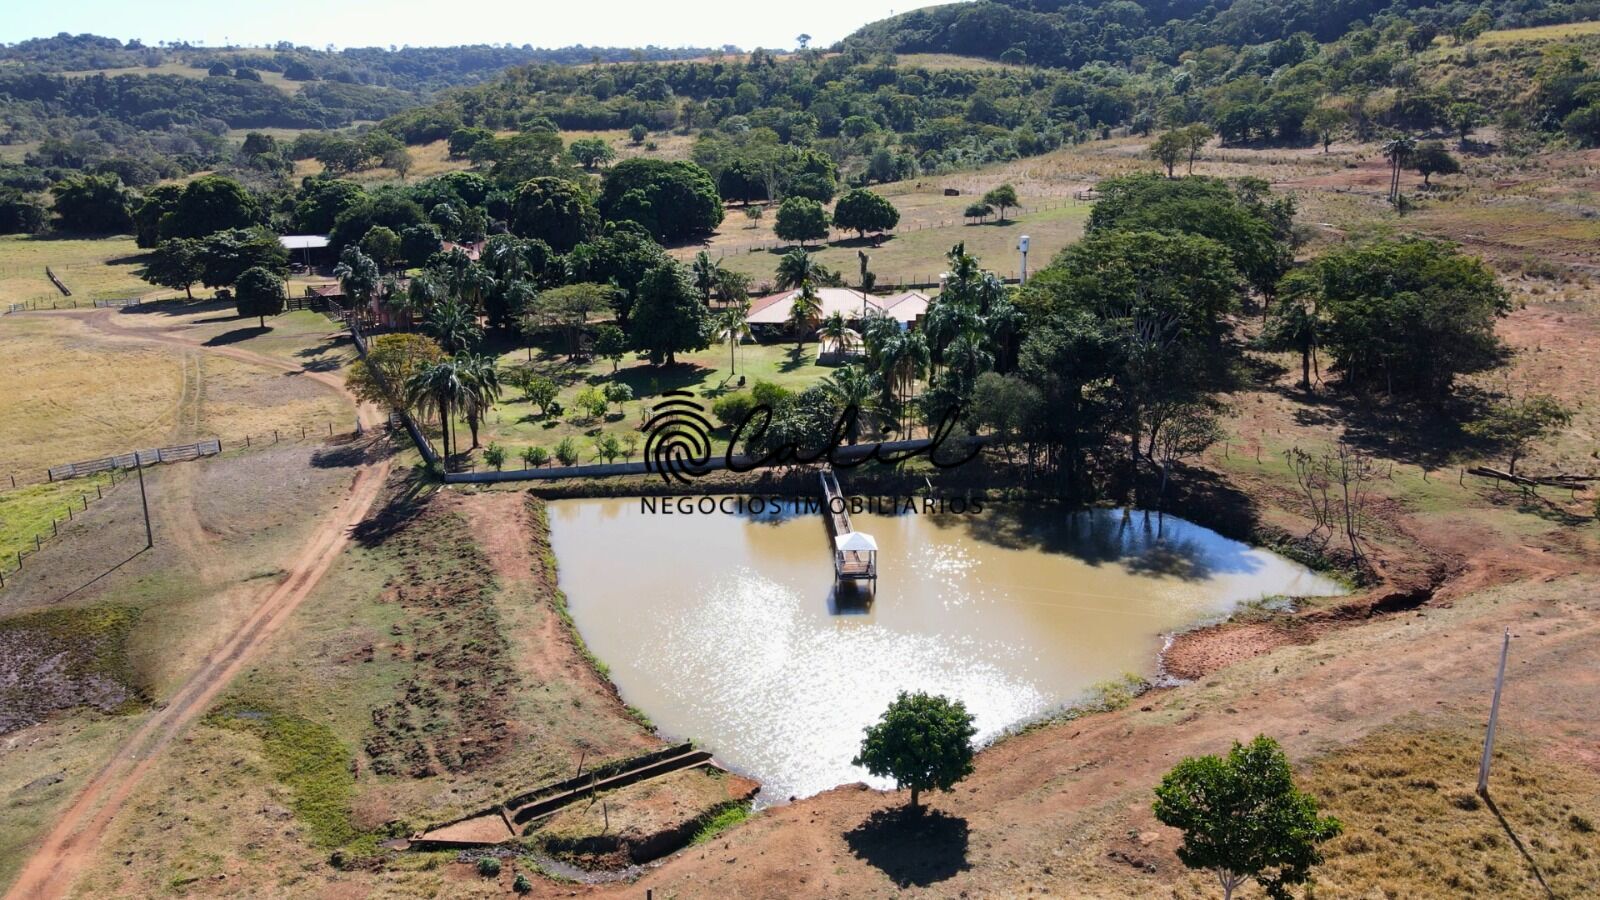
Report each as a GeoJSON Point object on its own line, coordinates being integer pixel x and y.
{"type": "Point", "coordinates": [432, 671]}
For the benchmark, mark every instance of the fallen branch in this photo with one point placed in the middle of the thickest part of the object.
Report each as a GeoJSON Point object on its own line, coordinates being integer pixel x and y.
{"type": "Point", "coordinates": [1571, 482]}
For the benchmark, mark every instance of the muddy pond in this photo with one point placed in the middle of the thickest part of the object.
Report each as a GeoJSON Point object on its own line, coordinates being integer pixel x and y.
{"type": "Point", "coordinates": [726, 628]}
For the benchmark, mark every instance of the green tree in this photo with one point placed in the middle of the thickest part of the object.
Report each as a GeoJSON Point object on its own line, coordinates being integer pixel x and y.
{"type": "Point", "coordinates": [561, 213]}
{"type": "Point", "coordinates": [607, 447]}
{"type": "Point", "coordinates": [1325, 123]}
{"type": "Point", "coordinates": [637, 134]}
{"type": "Point", "coordinates": [225, 255]}
{"type": "Point", "coordinates": [923, 742]}
{"type": "Point", "coordinates": [567, 451]}
{"type": "Point", "coordinates": [862, 211]}
{"type": "Point", "coordinates": [674, 201]}
{"type": "Point", "coordinates": [358, 277]}
{"type": "Point", "coordinates": [1463, 117]}
{"type": "Point", "coordinates": [1433, 159]}
{"type": "Point", "coordinates": [1168, 149]}
{"type": "Point", "coordinates": [1002, 198]}
{"type": "Point", "coordinates": [495, 455]}
{"type": "Point", "coordinates": [1195, 138]}
{"type": "Point", "coordinates": [1408, 315]}
{"type": "Point", "coordinates": [1242, 817]}
{"type": "Point", "coordinates": [668, 318]}
{"type": "Point", "coordinates": [802, 220]}
{"type": "Point", "coordinates": [258, 293]}
{"type": "Point", "coordinates": [1514, 424]}
{"type": "Point", "coordinates": [591, 153]}
{"type": "Point", "coordinates": [383, 245]}
{"type": "Point", "coordinates": [798, 267]}
{"type": "Point", "coordinates": [541, 391]}
{"type": "Point", "coordinates": [209, 204]}
{"type": "Point", "coordinates": [174, 264]}
{"type": "Point", "coordinates": [480, 378]}
{"type": "Point", "coordinates": [437, 390]}
{"type": "Point", "coordinates": [1240, 216]}
{"type": "Point", "coordinates": [320, 201]}
{"type": "Point", "coordinates": [453, 325]}
{"type": "Point", "coordinates": [535, 457]}
{"type": "Point", "coordinates": [610, 343]}
{"type": "Point", "coordinates": [805, 311]}
{"type": "Point", "coordinates": [567, 309]}
{"type": "Point", "coordinates": [92, 204]}
{"type": "Point", "coordinates": [391, 361]}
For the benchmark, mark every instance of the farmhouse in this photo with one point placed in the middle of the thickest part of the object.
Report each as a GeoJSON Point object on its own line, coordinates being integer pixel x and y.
{"type": "Point", "coordinates": [769, 316]}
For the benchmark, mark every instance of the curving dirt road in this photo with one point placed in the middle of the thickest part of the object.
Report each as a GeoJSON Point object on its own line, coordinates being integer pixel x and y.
{"type": "Point", "coordinates": [71, 844]}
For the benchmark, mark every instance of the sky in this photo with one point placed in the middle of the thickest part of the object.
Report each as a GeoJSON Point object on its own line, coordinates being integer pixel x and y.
{"type": "Point", "coordinates": [368, 23]}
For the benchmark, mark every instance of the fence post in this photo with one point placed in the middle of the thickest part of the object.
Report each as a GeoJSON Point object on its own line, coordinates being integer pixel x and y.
{"type": "Point", "coordinates": [1494, 716]}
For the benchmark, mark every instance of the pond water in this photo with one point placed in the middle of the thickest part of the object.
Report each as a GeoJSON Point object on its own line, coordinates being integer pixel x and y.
{"type": "Point", "coordinates": [726, 628]}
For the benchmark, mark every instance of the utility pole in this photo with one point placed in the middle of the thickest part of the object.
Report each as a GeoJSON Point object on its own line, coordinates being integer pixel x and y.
{"type": "Point", "coordinates": [1494, 716]}
{"type": "Point", "coordinates": [149, 536]}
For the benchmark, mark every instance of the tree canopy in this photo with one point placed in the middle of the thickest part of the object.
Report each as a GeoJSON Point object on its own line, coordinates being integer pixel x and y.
{"type": "Point", "coordinates": [674, 201]}
{"type": "Point", "coordinates": [923, 742]}
{"type": "Point", "coordinates": [1242, 817]}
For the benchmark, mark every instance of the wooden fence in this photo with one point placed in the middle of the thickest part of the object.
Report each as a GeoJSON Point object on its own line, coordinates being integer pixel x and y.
{"type": "Point", "coordinates": [151, 457]}
{"type": "Point", "coordinates": [46, 303]}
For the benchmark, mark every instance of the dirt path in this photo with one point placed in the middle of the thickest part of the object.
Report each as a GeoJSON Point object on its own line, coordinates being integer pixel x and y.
{"type": "Point", "coordinates": [71, 844]}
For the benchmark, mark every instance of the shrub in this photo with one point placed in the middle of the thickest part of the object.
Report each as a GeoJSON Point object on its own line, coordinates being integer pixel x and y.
{"type": "Point", "coordinates": [730, 409]}
{"type": "Point", "coordinates": [617, 392]}
{"type": "Point", "coordinates": [521, 884]}
{"type": "Point", "coordinates": [495, 455]}
{"type": "Point", "coordinates": [770, 395]}
{"type": "Point", "coordinates": [489, 867]}
{"type": "Point", "coordinates": [534, 457]}
{"type": "Point", "coordinates": [567, 452]}
{"type": "Point", "coordinates": [592, 402]}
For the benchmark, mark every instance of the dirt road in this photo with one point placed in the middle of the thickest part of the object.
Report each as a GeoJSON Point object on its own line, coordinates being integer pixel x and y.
{"type": "Point", "coordinates": [71, 844]}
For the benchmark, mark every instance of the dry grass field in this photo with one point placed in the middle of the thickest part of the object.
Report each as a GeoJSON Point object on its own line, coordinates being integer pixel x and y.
{"type": "Point", "coordinates": [1541, 33]}
{"type": "Point", "coordinates": [94, 269]}
{"type": "Point", "coordinates": [79, 394]}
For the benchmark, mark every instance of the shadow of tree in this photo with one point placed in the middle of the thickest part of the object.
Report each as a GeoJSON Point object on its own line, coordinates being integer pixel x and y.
{"type": "Point", "coordinates": [236, 335]}
{"type": "Point", "coordinates": [915, 848]}
{"type": "Point", "coordinates": [402, 507]}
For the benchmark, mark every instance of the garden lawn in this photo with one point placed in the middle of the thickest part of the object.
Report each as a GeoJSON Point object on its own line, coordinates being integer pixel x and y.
{"type": "Point", "coordinates": [516, 424]}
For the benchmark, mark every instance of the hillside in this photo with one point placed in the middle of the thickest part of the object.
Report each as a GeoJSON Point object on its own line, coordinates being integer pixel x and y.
{"type": "Point", "coordinates": [1064, 34]}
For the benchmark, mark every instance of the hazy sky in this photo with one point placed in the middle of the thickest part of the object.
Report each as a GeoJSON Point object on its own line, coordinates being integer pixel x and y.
{"type": "Point", "coordinates": [367, 23]}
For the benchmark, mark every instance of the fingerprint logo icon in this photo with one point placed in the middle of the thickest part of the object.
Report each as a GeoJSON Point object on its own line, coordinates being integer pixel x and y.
{"type": "Point", "coordinates": [677, 443]}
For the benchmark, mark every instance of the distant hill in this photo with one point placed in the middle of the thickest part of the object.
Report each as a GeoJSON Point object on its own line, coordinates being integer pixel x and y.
{"type": "Point", "coordinates": [1070, 35]}
{"type": "Point", "coordinates": [418, 69]}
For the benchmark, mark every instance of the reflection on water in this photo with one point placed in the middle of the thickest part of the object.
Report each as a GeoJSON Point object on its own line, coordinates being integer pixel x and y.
{"type": "Point", "coordinates": [727, 629]}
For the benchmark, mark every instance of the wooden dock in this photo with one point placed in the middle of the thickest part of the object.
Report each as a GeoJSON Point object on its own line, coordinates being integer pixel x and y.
{"type": "Point", "coordinates": [855, 554]}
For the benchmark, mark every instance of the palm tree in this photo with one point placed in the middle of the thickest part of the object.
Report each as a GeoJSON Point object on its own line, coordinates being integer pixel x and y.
{"type": "Point", "coordinates": [796, 268]}
{"type": "Point", "coordinates": [437, 390]}
{"type": "Point", "coordinates": [853, 387]}
{"type": "Point", "coordinates": [453, 326]}
{"type": "Point", "coordinates": [734, 324]}
{"type": "Point", "coordinates": [732, 287]}
{"type": "Point", "coordinates": [836, 328]}
{"type": "Point", "coordinates": [1398, 151]}
{"type": "Point", "coordinates": [804, 313]}
{"type": "Point", "coordinates": [358, 277]}
{"type": "Point", "coordinates": [902, 360]}
{"type": "Point", "coordinates": [481, 379]}
{"type": "Point", "coordinates": [704, 272]}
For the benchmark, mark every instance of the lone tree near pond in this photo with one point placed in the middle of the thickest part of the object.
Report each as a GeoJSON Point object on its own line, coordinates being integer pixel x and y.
{"type": "Point", "coordinates": [923, 742]}
{"type": "Point", "coordinates": [1242, 817]}
{"type": "Point", "coordinates": [258, 293]}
